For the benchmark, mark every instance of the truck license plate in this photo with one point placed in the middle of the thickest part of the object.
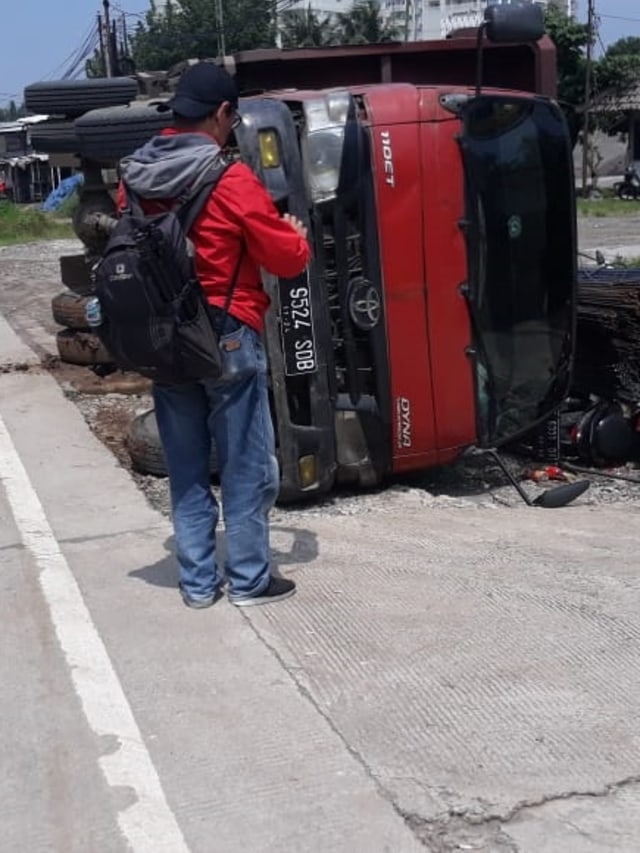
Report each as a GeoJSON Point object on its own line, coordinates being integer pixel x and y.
{"type": "Point", "coordinates": [296, 324]}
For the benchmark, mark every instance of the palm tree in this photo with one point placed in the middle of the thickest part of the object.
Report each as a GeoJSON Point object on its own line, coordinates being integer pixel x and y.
{"type": "Point", "coordinates": [305, 28]}
{"type": "Point", "coordinates": [363, 24]}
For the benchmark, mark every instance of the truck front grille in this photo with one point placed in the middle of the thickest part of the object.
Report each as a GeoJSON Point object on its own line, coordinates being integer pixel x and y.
{"type": "Point", "coordinates": [344, 262]}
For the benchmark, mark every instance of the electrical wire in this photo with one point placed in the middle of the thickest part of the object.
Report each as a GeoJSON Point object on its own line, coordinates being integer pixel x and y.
{"type": "Point", "coordinates": [85, 50]}
{"type": "Point", "coordinates": [120, 11]}
{"type": "Point", "coordinates": [619, 18]}
{"type": "Point", "coordinates": [65, 62]}
{"type": "Point", "coordinates": [579, 469]}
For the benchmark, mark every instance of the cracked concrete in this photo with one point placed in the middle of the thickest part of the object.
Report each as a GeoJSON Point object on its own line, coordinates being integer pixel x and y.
{"type": "Point", "coordinates": [570, 812]}
{"type": "Point", "coordinates": [575, 823]}
{"type": "Point", "coordinates": [483, 671]}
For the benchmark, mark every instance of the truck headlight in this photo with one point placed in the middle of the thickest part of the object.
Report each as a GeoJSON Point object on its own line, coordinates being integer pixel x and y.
{"type": "Point", "coordinates": [323, 142]}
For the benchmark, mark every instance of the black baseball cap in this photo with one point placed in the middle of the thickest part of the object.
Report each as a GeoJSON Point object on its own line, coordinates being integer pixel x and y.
{"type": "Point", "coordinates": [201, 89]}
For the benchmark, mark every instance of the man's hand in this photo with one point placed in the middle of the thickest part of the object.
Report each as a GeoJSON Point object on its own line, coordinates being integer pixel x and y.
{"type": "Point", "coordinates": [296, 224]}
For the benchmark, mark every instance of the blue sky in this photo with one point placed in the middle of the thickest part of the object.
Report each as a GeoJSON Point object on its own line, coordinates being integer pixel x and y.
{"type": "Point", "coordinates": [40, 36]}
{"type": "Point", "coordinates": [618, 19]}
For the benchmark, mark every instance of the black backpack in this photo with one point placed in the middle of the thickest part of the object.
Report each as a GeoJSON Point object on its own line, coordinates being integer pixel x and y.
{"type": "Point", "coordinates": [155, 319]}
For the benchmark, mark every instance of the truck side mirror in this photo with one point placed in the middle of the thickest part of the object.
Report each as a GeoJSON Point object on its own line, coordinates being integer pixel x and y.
{"type": "Point", "coordinates": [514, 22]}
{"type": "Point", "coordinates": [511, 22]}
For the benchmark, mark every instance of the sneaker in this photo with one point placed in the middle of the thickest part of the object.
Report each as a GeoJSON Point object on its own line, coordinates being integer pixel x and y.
{"type": "Point", "coordinates": [277, 590]}
{"type": "Point", "coordinates": [198, 602]}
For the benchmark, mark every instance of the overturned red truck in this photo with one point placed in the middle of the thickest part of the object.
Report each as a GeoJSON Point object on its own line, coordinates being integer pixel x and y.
{"type": "Point", "coordinates": [438, 314]}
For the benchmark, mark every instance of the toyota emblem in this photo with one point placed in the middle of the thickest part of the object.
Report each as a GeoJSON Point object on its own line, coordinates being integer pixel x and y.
{"type": "Point", "coordinates": [365, 306]}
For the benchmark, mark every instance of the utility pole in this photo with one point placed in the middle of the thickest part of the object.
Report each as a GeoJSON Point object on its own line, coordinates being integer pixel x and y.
{"type": "Point", "coordinates": [115, 50]}
{"type": "Point", "coordinates": [103, 54]}
{"type": "Point", "coordinates": [107, 40]}
{"type": "Point", "coordinates": [276, 26]}
{"type": "Point", "coordinates": [587, 95]}
{"type": "Point", "coordinates": [125, 35]}
{"type": "Point", "coordinates": [220, 16]}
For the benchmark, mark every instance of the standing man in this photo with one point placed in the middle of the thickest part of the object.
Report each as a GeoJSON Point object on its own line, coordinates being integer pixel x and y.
{"type": "Point", "coordinates": [238, 231]}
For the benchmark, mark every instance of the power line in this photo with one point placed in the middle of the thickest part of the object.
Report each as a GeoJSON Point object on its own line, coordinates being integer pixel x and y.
{"type": "Point", "coordinates": [619, 18]}
{"type": "Point", "coordinates": [68, 59]}
{"type": "Point", "coordinates": [84, 51]}
{"type": "Point", "coordinates": [120, 11]}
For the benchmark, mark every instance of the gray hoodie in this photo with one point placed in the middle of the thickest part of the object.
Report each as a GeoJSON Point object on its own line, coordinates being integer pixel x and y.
{"type": "Point", "coordinates": [169, 167]}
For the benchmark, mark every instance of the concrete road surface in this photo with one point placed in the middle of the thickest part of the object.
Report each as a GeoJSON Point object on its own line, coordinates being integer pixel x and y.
{"type": "Point", "coordinates": [446, 678]}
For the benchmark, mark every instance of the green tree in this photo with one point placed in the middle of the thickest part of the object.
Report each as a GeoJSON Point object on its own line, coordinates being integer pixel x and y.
{"type": "Point", "coordinates": [191, 30]}
{"type": "Point", "coordinates": [629, 46]}
{"type": "Point", "coordinates": [306, 28]}
{"type": "Point", "coordinates": [12, 112]}
{"type": "Point", "coordinates": [616, 72]}
{"type": "Point", "coordinates": [162, 40]}
{"type": "Point", "coordinates": [570, 38]}
{"type": "Point", "coordinates": [94, 67]}
{"type": "Point", "coordinates": [363, 23]}
{"type": "Point", "coordinates": [613, 72]}
{"type": "Point", "coordinates": [619, 68]}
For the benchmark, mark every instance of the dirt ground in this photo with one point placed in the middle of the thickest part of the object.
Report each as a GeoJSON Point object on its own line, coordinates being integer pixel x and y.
{"type": "Point", "coordinates": [609, 232]}
{"type": "Point", "coordinates": [29, 279]}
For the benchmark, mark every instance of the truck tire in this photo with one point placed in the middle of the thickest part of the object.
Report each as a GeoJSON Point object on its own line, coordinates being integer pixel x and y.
{"type": "Point", "coordinates": [75, 273]}
{"type": "Point", "coordinates": [55, 137]}
{"type": "Point", "coordinates": [68, 310]}
{"type": "Point", "coordinates": [72, 98]}
{"type": "Point", "coordinates": [110, 134]}
{"type": "Point", "coordinates": [75, 347]}
{"type": "Point", "coordinates": [145, 448]}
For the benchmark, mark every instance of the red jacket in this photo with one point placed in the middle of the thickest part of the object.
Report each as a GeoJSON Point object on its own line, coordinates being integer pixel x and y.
{"type": "Point", "coordinates": [241, 217]}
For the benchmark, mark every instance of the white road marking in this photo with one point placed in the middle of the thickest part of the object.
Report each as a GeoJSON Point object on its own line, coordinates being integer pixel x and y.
{"type": "Point", "coordinates": [148, 824]}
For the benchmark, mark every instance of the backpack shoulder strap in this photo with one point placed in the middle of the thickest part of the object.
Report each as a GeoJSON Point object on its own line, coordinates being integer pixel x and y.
{"type": "Point", "coordinates": [132, 202]}
{"type": "Point", "coordinates": [189, 211]}
{"type": "Point", "coordinates": [187, 214]}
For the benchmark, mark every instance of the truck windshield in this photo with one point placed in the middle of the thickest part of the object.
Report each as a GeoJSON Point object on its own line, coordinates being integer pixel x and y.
{"type": "Point", "coordinates": [521, 258]}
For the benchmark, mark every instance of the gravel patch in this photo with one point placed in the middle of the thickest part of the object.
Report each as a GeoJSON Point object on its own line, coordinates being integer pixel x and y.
{"type": "Point", "coordinates": [612, 235]}
{"type": "Point", "coordinates": [472, 484]}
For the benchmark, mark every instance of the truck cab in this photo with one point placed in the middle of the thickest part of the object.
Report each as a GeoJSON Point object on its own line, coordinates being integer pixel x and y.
{"type": "Point", "coordinates": [438, 312]}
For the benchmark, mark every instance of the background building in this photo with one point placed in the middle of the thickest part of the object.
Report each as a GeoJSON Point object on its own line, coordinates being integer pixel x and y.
{"type": "Point", "coordinates": [434, 19]}
{"type": "Point", "coordinates": [27, 174]}
{"type": "Point", "coordinates": [421, 19]}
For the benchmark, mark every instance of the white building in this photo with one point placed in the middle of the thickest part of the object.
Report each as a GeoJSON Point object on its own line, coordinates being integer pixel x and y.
{"type": "Point", "coordinates": [434, 19]}
{"type": "Point", "coordinates": [421, 19]}
{"type": "Point", "coordinates": [320, 7]}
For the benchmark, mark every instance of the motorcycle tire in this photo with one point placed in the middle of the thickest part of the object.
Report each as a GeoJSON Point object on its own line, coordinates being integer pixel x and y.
{"type": "Point", "coordinates": [626, 192]}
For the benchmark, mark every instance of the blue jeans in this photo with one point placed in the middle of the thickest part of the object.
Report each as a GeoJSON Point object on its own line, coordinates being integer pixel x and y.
{"type": "Point", "coordinates": [234, 411]}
